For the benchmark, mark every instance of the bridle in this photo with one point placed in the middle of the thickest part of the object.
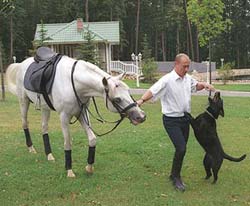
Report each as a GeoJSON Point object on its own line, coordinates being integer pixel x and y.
{"type": "Point", "coordinates": [84, 107]}
{"type": "Point", "coordinates": [120, 110]}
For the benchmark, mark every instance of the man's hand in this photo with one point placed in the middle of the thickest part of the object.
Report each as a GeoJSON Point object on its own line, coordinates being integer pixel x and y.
{"type": "Point", "coordinates": [209, 87]}
{"type": "Point", "coordinates": [204, 85]}
{"type": "Point", "coordinates": [140, 102]}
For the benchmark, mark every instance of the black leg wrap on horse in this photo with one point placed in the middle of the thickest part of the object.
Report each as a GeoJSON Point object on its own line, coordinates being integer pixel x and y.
{"type": "Point", "coordinates": [27, 137]}
{"type": "Point", "coordinates": [46, 144]}
{"type": "Point", "coordinates": [68, 160]}
{"type": "Point", "coordinates": [91, 155]}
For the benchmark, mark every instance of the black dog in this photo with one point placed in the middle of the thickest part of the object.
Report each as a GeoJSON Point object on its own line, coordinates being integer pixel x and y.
{"type": "Point", "coordinates": [204, 127]}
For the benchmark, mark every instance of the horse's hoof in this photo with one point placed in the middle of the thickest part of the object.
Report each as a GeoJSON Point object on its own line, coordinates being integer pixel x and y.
{"type": "Point", "coordinates": [89, 169]}
{"type": "Point", "coordinates": [50, 157]}
{"type": "Point", "coordinates": [70, 173]}
{"type": "Point", "coordinates": [32, 149]}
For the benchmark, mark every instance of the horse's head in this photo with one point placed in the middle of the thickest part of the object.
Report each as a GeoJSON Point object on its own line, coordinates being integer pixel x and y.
{"type": "Point", "coordinates": [119, 100]}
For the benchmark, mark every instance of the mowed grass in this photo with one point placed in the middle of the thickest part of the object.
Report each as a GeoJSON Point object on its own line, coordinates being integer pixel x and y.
{"type": "Point", "coordinates": [228, 87]}
{"type": "Point", "coordinates": [234, 87]}
{"type": "Point", "coordinates": [132, 163]}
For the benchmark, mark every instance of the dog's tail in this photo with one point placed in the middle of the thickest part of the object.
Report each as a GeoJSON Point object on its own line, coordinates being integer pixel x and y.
{"type": "Point", "coordinates": [228, 157]}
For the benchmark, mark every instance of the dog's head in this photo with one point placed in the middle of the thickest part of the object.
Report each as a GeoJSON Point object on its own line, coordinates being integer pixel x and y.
{"type": "Point", "coordinates": [216, 105]}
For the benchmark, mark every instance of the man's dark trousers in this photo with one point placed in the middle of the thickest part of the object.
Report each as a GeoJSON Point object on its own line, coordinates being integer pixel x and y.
{"type": "Point", "coordinates": [178, 131]}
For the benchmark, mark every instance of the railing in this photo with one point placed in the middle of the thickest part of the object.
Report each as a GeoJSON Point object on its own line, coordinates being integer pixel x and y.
{"type": "Point", "coordinates": [120, 67]}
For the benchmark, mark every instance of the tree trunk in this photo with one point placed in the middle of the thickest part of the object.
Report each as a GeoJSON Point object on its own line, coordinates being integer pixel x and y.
{"type": "Point", "coordinates": [137, 26]}
{"type": "Point", "coordinates": [190, 39]}
{"type": "Point", "coordinates": [11, 38]}
{"type": "Point", "coordinates": [197, 59]}
{"type": "Point", "coordinates": [187, 40]}
{"type": "Point", "coordinates": [163, 46]}
{"type": "Point", "coordinates": [87, 10]}
{"type": "Point", "coordinates": [177, 40]}
{"type": "Point", "coordinates": [156, 45]}
{"type": "Point", "coordinates": [2, 73]}
{"type": "Point", "coordinates": [111, 13]}
{"type": "Point", "coordinates": [237, 52]}
{"type": "Point", "coordinates": [189, 33]}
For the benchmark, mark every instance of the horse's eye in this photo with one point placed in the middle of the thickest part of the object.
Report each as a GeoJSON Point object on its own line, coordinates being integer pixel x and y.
{"type": "Point", "coordinates": [117, 100]}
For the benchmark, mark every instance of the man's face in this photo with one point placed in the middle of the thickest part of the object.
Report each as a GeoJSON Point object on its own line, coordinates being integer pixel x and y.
{"type": "Point", "coordinates": [182, 66]}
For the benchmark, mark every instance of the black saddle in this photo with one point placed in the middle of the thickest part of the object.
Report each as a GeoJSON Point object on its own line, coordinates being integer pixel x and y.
{"type": "Point", "coordinates": [44, 54]}
{"type": "Point", "coordinates": [40, 75]}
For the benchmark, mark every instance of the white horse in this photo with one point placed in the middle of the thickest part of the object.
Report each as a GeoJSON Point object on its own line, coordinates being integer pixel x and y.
{"type": "Point", "coordinates": [89, 81]}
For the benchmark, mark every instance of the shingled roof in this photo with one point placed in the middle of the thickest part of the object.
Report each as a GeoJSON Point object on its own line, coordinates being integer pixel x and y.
{"type": "Point", "coordinates": [67, 33]}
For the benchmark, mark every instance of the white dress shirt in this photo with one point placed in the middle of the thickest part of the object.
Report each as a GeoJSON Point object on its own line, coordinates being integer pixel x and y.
{"type": "Point", "coordinates": [174, 93]}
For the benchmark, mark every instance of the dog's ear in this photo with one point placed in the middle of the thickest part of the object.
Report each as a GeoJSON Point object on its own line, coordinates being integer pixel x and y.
{"type": "Point", "coordinates": [218, 94]}
{"type": "Point", "coordinates": [222, 112]}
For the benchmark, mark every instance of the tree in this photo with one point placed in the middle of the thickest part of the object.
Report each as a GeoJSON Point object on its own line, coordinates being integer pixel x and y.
{"type": "Point", "coordinates": [165, 22]}
{"type": "Point", "coordinates": [87, 51]}
{"type": "Point", "coordinates": [6, 10]}
{"type": "Point", "coordinates": [137, 26]}
{"type": "Point", "coordinates": [42, 38]}
{"type": "Point", "coordinates": [149, 66]}
{"type": "Point", "coordinates": [207, 16]}
{"type": "Point", "coordinates": [226, 72]}
{"type": "Point", "coordinates": [86, 10]}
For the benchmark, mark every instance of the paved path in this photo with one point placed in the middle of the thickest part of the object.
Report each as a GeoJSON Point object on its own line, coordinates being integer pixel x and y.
{"type": "Point", "coordinates": [223, 93]}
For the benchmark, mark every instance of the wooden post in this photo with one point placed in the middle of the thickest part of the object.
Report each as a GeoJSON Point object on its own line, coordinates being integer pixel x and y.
{"type": "Point", "coordinates": [2, 73]}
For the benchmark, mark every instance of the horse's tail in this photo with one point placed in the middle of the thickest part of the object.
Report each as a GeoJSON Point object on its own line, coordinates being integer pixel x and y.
{"type": "Point", "coordinates": [11, 77]}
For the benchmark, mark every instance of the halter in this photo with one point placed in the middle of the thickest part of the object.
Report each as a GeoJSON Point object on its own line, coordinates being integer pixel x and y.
{"type": "Point", "coordinates": [120, 110]}
{"type": "Point", "coordinates": [84, 106]}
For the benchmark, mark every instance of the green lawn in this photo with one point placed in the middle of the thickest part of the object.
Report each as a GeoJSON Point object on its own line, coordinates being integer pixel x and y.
{"type": "Point", "coordinates": [132, 84]}
{"type": "Point", "coordinates": [229, 87]}
{"type": "Point", "coordinates": [234, 87]}
{"type": "Point", "coordinates": [132, 163]}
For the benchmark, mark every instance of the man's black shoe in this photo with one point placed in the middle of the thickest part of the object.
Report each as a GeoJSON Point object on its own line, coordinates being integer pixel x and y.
{"type": "Point", "coordinates": [178, 184]}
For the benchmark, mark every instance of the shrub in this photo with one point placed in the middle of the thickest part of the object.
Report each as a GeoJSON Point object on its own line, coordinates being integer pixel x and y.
{"type": "Point", "coordinates": [149, 68]}
{"type": "Point", "coordinates": [226, 72]}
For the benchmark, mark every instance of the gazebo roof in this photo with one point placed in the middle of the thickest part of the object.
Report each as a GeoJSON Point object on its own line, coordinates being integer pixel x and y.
{"type": "Point", "coordinates": [67, 33]}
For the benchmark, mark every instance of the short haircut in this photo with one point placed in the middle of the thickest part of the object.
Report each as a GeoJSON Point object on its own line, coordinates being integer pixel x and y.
{"type": "Point", "coordinates": [180, 55]}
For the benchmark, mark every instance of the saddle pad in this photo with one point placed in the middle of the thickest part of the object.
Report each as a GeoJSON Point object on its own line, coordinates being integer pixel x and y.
{"type": "Point", "coordinates": [39, 77]}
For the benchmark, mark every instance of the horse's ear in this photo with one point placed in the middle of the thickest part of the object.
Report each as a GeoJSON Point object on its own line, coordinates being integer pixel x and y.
{"type": "Point", "coordinates": [120, 76]}
{"type": "Point", "coordinates": [105, 82]}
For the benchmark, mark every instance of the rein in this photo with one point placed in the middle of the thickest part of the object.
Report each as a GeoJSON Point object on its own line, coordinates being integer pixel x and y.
{"type": "Point", "coordinates": [84, 106]}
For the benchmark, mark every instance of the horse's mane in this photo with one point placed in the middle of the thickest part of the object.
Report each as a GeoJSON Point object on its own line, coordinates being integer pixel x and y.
{"type": "Point", "coordinates": [102, 73]}
{"type": "Point", "coordinates": [95, 68]}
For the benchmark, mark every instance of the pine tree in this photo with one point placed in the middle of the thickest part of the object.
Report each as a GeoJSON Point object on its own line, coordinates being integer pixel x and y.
{"type": "Point", "coordinates": [87, 51]}
{"type": "Point", "coordinates": [42, 38]}
{"type": "Point", "coordinates": [146, 51]}
{"type": "Point", "coordinates": [149, 66]}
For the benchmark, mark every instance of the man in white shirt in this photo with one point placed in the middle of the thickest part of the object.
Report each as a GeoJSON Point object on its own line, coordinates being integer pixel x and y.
{"type": "Point", "coordinates": [174, 90]}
